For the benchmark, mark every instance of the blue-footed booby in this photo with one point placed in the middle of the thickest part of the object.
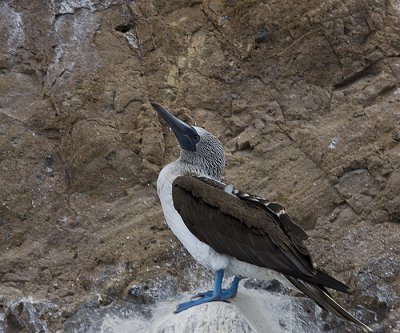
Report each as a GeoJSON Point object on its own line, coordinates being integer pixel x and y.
{"type": "Point", "coordinates": [227, 230]}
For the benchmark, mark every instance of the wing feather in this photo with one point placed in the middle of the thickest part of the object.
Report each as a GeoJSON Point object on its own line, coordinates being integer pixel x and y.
{"type": "Point", "coordinates": [248, 228]}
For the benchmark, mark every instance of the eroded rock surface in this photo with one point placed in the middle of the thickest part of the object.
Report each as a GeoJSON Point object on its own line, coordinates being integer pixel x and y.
{"type": "Point", "coordinates": [305, 96]}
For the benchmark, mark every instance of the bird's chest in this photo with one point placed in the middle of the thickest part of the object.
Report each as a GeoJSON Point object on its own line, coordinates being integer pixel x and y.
{"type": "Point", "coordinates": [201, 252]}
{"type": "Point", "coordinates": [175, 222]}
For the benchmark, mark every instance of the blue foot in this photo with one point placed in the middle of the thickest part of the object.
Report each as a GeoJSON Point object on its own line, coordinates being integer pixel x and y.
{"type": "Point", "coordinates": [217, 294]}
{"type": "Point", "coordinates": [204, 299]}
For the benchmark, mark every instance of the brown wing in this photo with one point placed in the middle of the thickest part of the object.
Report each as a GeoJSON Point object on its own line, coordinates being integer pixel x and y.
{"type": "Point", "coordinates": [244, 229]}
{"type": "Point", "coordinates": [291, 229]}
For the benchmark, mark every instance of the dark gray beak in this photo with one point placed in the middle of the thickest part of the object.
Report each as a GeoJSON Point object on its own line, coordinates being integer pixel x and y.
{"type": "Point", "coordinates": [186, 135]}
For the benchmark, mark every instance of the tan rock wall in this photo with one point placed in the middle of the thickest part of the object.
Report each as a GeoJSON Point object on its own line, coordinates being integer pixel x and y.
{"type": "Point", "coordinates": [304, 95]}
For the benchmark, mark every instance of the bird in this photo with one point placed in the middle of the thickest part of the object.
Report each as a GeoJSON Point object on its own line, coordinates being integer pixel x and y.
{"type": "Point", "coordinates": [230, 231]}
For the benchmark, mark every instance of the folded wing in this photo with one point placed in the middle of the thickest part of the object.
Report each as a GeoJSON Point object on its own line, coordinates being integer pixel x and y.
{"type": "Point", "coordinates": [246, 227]}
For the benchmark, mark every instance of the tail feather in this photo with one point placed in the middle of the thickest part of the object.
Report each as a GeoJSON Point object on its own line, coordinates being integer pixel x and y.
{"type": "Point", "coordinates": [330, 282]}
{"type": "Point", "coordinates": [325, 301]}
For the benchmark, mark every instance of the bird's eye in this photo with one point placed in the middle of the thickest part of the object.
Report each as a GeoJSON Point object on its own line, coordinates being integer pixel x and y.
{"type": "Point", "coordinates": [197, 138]}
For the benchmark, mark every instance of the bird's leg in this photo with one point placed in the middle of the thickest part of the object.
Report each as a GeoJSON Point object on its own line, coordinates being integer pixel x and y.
{"type": "Point", "coordinates": [209, 296]}
{"type": "Point", "coordinates": [232, 290]}
{"type": "Point", "coordinates": [218, 294]}
{"type": "Point", "coordinates": [226, 293]}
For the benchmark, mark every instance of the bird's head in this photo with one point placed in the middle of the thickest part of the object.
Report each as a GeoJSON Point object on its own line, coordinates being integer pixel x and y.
{"type": "Point", "coordinates": [201, 152]}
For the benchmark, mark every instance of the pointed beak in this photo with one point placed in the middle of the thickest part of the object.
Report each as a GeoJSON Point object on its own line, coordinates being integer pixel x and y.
{"type": "Point", "coordinates": [186, 135]}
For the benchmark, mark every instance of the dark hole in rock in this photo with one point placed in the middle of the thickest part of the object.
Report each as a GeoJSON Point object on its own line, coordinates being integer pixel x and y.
{"type": "Point", "coordinates": [261, 36]}
{"type": "Point", "coordinates": [396, 136]}
{"type": "Point", "coordinates": [48, 161]}
{"type": "Point", "coordinates": [111, 155]}
{"type": "Point", "coordinates": [124, 27]}
{"type": "Point", "coordinates": [19, 308]}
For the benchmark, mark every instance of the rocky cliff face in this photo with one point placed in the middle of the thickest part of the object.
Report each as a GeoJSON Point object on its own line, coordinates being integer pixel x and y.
{"type": "Point", "coordinates": [305, 97]}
